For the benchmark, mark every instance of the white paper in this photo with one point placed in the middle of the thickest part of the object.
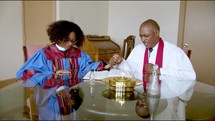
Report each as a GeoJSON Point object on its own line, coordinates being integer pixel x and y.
{"type": "Point", "coordinates": [99, 75]}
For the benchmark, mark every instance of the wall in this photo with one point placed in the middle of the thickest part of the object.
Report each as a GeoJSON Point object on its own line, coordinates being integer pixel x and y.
{"type": "Point", "coordinates": [119, 19]}
{"type": "Point", "coordinates": [91, 16]}
{"type": "Point", "coordinates": [11, 38]}
{"type": "Point", "coordinates": [126, 17]}
{"type": "Point", "coordinates": [115, 18]}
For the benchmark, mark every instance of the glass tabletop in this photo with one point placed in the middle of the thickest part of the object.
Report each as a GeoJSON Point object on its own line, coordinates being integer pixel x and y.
{"type": "Point", "coordinates": [98, 102]}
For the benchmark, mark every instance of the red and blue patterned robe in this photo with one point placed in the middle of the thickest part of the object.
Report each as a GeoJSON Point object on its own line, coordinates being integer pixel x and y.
{"type": "Point", "coordinates": [39, 72]}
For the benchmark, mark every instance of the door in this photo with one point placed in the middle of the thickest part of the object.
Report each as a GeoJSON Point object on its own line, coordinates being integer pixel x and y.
{"type": "Point", "coordinates": [37, 16]}
{"type": "Point", "coordinates": [199, 35]}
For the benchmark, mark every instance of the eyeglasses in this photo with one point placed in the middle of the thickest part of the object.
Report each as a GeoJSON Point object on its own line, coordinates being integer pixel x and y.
{"type": "Point", "coordinates": [72, 41]}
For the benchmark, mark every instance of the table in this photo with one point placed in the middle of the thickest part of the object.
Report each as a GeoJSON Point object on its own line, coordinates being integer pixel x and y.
{"type": "Point", "coordinates": [95, 106]}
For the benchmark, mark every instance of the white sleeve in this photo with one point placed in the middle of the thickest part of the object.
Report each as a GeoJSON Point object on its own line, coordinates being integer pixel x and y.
{"type": "Point", "coordinates": [134, 62]}
{"type": "Point", "coordinates": [176, 63]}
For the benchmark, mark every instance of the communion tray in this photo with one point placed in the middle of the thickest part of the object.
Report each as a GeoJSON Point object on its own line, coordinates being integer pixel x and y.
{"type": "Point", "coordinates": [124, 81]}
{"type": "Point", "coordinates": [122, 84]}
{"type": "Point", "coordinates": [120, 96]}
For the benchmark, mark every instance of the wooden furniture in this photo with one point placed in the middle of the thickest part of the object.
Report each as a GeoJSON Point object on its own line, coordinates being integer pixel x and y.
{"type": "Point", "coordinates": [100, 48]}
{"type": "Point", "coordinates": [128, 45]}
{"type": "Point", "coordinates": [30, 50]}
{"type": "Point", "coordinates": [188, 52]}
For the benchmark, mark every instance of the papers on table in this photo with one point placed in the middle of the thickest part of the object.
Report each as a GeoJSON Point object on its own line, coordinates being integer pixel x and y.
{"type": "Point", "coordinates": [99, 75]}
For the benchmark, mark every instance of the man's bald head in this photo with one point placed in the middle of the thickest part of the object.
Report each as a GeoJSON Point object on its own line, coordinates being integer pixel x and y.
{"type": "Point", "coordinates": [152, 23]}
{"type": "Point", "coordinates": [149, 33]}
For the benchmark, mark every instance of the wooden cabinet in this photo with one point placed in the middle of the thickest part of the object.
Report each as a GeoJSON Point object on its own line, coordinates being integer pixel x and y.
{"type": "Point", "coordinates": [100, 48]}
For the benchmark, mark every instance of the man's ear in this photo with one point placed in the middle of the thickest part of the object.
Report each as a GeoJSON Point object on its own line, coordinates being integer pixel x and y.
{"type": "Point", "coordinates": [157, 33]}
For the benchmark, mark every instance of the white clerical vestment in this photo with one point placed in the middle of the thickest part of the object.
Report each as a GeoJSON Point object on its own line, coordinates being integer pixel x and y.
{"type": "Point", "coordinates": [175, 63]}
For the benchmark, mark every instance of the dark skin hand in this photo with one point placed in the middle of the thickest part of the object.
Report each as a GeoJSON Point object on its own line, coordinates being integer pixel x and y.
{"type": "Point", "coordinates": [61, 73]}
{"type": "Point", "coordinates": [149, 69]}
{"type": "Point", "coordinates": [116, 59]}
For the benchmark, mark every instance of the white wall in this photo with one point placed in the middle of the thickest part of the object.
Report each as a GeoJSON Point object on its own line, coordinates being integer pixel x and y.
{"type": "Point", "coordinates": [126, 17]}
{"type": "Point", "coordinates": [117, 19]}
{"type": "Point", "coordinates": [11, 38]}
{"type": "Point", "coordinates": [91, 16]}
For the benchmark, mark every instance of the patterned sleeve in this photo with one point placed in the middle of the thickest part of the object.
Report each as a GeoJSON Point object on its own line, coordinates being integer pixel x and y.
{"type": "Point", "coordinates": [101, 66]}
{"type": "Point", "coordinates": [86, 64]}
{"type": "Point", "coordinates": [35, 72]}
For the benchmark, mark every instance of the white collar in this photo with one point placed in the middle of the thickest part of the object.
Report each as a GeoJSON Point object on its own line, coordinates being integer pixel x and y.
{"type": "Point", "coordinates": [60, 48]}
{"type": "Point", "coordinates": [155, 47]}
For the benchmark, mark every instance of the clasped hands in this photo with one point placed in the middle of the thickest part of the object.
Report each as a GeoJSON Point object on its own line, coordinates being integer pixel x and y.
{"type": "Point", "coordinates": [149, 69]}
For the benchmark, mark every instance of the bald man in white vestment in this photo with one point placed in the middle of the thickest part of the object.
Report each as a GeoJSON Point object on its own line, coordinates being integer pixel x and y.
{"type": "Point", "coordinates": [172, 61]}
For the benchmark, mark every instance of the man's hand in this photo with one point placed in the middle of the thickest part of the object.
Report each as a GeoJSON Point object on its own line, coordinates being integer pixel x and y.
{"type": "Point", "coordinates": [115, 59]}
{"type": "Point", "coordinates": [149, 69]}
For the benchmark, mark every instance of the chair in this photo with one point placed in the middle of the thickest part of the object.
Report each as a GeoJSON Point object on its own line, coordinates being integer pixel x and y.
{"type": "Point", "coordinates": [30, 50]}
{"type": "Point", "coordinates": [30, 108]}
{"type": "Point", "coordinates": [128, 45]}
{"type": "Point", "coordinates": [188, 52]}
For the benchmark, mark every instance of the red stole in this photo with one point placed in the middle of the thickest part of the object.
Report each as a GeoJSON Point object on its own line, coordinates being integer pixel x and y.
{"type": "Point", "coordinates": [159, 61]}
